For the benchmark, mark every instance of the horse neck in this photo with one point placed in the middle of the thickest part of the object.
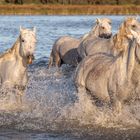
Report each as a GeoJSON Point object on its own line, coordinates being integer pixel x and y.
{"type": "Point", "coordinates": [92, 34]}
{"type": "Point", "coordinates": [127, 61]}
{"type": "Point", "coordinates": [131, 59]}
{"type": "Point", "coordinates": [16, 45]}
{"type": "Point", "coordinates": [137, 61]}
{"type": "Point", "coordinates": [95, 31]}
{"type": "Point", "coordinates": [84, 37]}
{"type": "Point", "coordinates": [123, 47]}
{"type": "Point", "coordinates": [128, 47]}
{"type": "Point", "coordinates": [15, 50]}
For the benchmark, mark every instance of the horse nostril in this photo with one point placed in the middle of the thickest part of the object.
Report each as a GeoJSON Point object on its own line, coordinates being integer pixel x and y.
{"type": "Point", "coordinates": [30, 56]}
{"type": "Point", "coordinates": [108, 36]}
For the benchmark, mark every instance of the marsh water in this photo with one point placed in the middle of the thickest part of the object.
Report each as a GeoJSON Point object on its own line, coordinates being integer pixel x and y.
{"type": "Point", "coordinates": [52, 109]}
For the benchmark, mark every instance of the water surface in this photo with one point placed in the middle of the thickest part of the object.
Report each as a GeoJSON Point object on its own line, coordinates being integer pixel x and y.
{"type": "Point", "coordinates": [52, 109]}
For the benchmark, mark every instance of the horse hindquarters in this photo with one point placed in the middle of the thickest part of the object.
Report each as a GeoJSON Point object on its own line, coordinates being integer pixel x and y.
{"type": "Point", "coordinates": [57, 60]}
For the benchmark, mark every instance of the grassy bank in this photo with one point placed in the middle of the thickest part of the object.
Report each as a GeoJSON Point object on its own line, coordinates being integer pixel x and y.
{"type": "Point", "coordinates": [68, 9]}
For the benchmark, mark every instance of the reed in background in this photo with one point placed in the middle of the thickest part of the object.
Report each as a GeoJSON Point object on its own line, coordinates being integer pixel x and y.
{"type": "Point", "coordinates": [52, 9]}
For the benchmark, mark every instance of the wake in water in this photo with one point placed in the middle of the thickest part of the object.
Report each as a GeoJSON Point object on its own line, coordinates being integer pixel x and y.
{"type": "Point", "coordinates": [51, 103]}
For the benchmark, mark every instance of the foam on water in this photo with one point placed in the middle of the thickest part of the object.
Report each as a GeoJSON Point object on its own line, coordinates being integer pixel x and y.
{"type": "Point", "coordinates": [51, 103]}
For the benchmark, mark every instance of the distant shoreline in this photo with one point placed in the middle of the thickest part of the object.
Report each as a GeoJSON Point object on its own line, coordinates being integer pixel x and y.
{"type": "Point", "coordinates": [69, 9]}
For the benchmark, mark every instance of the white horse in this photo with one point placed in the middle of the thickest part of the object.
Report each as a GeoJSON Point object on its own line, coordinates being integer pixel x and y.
{"type": "Point", "coordinates": [109, 78]}
{"type": "Point", "coordinates": [14, 62]}
{"type": "Point", "coordinates": [64, 50]}
{"type": "Point", "coordinates": [97, 39]}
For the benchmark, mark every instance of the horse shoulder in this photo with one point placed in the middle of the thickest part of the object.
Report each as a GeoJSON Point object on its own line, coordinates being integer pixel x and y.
{"type": "Point", "coordinates": [84, 45]}
{"type": "Point", "coordinates": [83, 69]}
{"type": "Point", "coordinates": [98, 45]}
{"type": "Point", "coordinates": [98, 77]}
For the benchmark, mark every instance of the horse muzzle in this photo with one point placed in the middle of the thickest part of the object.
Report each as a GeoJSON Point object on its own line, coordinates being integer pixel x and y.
{"type": "Point", "coordinates": [30, 59]}
{"type": "Point", "coordinates": [106, 36]}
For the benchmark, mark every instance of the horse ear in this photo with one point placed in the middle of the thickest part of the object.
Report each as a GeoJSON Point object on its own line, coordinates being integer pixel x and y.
{"type": "Point", "coordinates": [137, 17]}
{"type": "Point", "coordinates": [34, 30]}
{"type": "Point", "coordinates": [98, 20]}
{"type": "Point", "coordinates": [21, 29]}
{"type": "Point", "coordinates": [110, 21]}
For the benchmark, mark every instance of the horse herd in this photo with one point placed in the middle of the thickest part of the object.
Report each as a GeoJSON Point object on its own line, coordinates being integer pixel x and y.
{"type": "Point", "coordinates": [107, 66]}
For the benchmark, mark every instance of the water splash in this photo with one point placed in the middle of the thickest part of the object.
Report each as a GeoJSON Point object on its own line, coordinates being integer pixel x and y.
{"type": "Point", "coordinates": [51, 103]}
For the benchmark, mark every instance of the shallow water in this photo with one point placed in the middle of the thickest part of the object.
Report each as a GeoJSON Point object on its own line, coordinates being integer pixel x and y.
{"type": "Point", "coordinates": [49, 28]}
{"type": "Point", "coordinates": [52, 109]}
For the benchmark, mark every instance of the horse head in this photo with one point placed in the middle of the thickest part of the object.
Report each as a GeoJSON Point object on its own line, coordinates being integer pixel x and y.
{"type": "Point", "coordinates": [103, 28]}
{"type": "Point", "coordinates": [128, 32]}
{"type": "Point", "coordinates": [27, 43]}
{"type": "Point", "coordinates": [133, 33]}
{"type": "Point", "coordinates": [132, 29]}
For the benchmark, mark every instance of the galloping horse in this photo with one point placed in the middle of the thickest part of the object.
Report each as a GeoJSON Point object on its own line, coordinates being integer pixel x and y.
{"type": "Point", "coordinates": [92, 43]}
{"type": "Point", "coordinates": [111, 78]}
{"type": "Point", "coordinates": [14, 62]}
{"type": "Point", "coordinates": [65, 48]}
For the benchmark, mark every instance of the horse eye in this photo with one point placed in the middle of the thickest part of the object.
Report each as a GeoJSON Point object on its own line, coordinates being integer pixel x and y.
{"type": "Point", "coordinates": [103, 27]}
{"type": "Point", "coordinates": [134, 26]}
{"type": "Point", "coordinates": [22, 40]}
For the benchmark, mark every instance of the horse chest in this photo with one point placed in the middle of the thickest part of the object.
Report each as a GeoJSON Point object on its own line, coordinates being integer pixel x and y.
{"type": "Point", "coordinates": [12, 72]}
{"type": "Point", "coordinates": [18, 72]}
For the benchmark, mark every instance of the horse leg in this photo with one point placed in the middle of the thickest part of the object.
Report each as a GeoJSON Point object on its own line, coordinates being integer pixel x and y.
{"type": "Point", "coordinates": [121, 95]}
{"type": "Point", "coordinates": [57, 60]}
{"type": "Point", "coordinates": [20, 97]}
{"type": "Point", "coordinates": [50, 60]}
{"type": "Point", "coordinates": [19, 94]}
